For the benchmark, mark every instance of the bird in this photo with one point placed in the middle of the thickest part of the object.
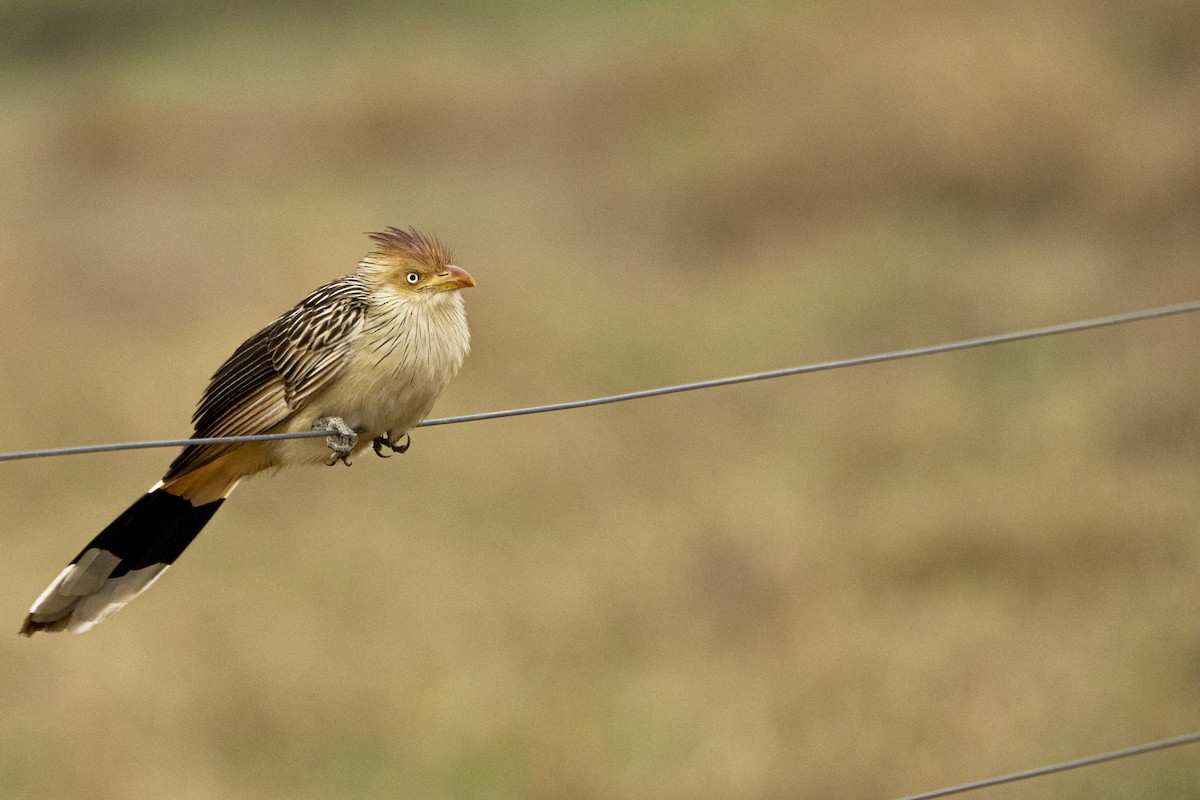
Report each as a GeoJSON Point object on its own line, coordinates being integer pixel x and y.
{"type": "Point", "coordinates": [363, 357]}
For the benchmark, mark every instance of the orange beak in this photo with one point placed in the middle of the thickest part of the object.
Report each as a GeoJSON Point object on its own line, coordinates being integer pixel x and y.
{"type": "Point", "coordinates": [454, 278]}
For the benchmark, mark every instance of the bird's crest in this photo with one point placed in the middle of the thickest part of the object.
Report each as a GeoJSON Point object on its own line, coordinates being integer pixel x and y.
{"type": "Point", "coordinates": [410, 245]}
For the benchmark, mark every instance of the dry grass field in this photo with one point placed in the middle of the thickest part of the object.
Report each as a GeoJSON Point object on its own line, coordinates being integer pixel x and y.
{"type": "Point", "coordinates": [856, 584]}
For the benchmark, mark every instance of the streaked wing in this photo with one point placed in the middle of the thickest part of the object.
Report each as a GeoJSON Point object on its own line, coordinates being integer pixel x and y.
{"type": "Point", "coordinates": [276, 370]}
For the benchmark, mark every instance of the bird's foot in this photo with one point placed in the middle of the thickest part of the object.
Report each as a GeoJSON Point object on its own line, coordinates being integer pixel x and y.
{"type": "Point", "coordinates": [398, 445]}
{"type": "Point", "coordinates": [341, 441]}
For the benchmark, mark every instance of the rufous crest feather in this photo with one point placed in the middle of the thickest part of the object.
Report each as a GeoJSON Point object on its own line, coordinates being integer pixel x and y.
{"type": "Point", "coordinates": [410, 245]}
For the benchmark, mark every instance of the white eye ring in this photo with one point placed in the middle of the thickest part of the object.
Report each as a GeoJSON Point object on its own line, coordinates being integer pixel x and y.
{"type": "Point", "coordinates": [412, 278]}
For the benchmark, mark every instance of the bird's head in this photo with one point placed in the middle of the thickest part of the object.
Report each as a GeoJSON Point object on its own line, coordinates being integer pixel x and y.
{"type": "Point", "coordinates": [411, 262]}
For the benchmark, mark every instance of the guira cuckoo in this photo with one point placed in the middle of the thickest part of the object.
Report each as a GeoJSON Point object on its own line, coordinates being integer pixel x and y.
{"type": "Point", "coordinates": [364, 357]}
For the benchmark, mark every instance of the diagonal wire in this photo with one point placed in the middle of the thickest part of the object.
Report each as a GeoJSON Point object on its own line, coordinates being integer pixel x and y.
{"type": "Point", "coordinates": [895, 355]}
{"type": "Point", "coordinates": [1162, 744]}
{"type": "Point", "coordinates": [108, 448]}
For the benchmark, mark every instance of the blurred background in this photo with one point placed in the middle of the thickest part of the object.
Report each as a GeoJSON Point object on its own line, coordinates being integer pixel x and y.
{"type": "Point", "coordinates": [856, 584]}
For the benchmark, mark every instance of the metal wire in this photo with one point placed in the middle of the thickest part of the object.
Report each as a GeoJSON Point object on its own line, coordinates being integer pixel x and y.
{"type": "Point", "coordinates": [108, 448]}
{"type": "Point", "coordinates": [895, 355]}
{"type": "Point", "coordinates": [1163, 744]}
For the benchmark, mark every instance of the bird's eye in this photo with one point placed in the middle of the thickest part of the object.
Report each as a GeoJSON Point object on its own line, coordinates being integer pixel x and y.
{"type": "Point", "coordinates": [412, 278]}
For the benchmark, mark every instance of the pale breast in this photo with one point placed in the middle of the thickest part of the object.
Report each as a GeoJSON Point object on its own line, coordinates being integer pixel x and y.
{"type": "Point", "coordinates": [403, 359]}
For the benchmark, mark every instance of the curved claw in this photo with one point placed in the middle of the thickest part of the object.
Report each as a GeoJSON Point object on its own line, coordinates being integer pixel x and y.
{"type": "Point", "coordinates": [380, 442]}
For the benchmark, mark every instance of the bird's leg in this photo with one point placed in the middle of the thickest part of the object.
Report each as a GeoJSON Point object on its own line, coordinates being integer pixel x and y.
{"type": "Point", "coordinates": [341, 441]}
{"type": "Point", "coordinates": [380, 442]}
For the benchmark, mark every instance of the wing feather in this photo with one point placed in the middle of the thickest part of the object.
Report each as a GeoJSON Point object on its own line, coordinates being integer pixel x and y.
{"type": "Point", "coordinates": [271, 375]}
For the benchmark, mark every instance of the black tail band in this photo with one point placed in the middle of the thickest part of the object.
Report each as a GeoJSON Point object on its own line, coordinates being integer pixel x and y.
{"type": "Point", "coordinates": [154, 530]}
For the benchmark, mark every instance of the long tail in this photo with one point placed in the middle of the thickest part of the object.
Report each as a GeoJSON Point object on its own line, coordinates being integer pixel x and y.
{"type": "Point", "coordinates": [128, 555]}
